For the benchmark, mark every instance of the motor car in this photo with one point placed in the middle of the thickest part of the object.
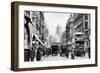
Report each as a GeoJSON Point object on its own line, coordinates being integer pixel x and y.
{"type": "Point", "coordinates": [64, 51]}
{"type": "Point", "coordinates": [54, 50]}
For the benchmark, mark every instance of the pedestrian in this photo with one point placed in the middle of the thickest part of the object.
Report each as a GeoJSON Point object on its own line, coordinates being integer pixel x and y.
{"type": "Point", "coordinates": [67, 53]}
{"type": "Point", "coordinates": [38, 56]}
{"type": "Point", "coordinates": [44, 51]}
{"type": "Point", "coordinates": [32, 53]}
{"type": "Point", "coordinates": [89, 53]}
{"type": "Point", "coordinates": [72, 53]}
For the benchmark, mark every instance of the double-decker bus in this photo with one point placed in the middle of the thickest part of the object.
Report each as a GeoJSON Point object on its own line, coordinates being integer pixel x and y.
{"type": "Point", "coordinates": [78, 44]}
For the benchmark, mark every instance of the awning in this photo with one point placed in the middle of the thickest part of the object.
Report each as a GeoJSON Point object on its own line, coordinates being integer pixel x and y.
{"type": "Point", "coordinates": [37, 38]}
{"type": "Point", "coordinates": [78, 33]}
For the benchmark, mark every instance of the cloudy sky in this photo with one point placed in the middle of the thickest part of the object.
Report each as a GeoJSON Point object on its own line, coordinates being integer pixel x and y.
{"type": "Point", "coordinates": [55, 19]}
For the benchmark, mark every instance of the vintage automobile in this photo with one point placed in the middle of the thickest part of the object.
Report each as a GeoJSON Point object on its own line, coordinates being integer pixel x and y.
{"type": "Point", "coordinates": [54, 50]}
{"type": "Point", "coordinates": [64, 51]}
{"type": "Point", "coordinates": [48, 51]}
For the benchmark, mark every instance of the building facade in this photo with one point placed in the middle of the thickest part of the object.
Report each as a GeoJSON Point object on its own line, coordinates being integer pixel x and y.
{"type": "Point", "coordinates": [36, 28]}
{"type": "Point", "coordinates": [78, 23]}
{"type": "Point", "coordinates": [63, 38]}
{"type": "Point", "coordinates": [69, 31]}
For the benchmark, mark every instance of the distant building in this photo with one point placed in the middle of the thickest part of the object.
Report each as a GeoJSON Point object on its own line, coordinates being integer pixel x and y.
{"type": "Point", "coordinates": [63, 38]}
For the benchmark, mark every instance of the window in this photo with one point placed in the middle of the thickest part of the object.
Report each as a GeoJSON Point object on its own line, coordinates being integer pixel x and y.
{"type": "Point", "coordinates": [86, 32]}
{"type": "Point", "coordinates": [86, 25]}
{"type": "Point", "coordinates": [86, 17]}
{"type": "Point", "coordinates": [27, 13]}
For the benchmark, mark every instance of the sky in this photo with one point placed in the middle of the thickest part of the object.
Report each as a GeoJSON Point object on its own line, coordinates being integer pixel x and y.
{"type": "Point", "coordinates": [56, 19]}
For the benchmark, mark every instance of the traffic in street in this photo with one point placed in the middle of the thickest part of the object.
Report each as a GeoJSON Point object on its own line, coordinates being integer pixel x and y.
{"type": "Point", "coordinates": [56, 36]}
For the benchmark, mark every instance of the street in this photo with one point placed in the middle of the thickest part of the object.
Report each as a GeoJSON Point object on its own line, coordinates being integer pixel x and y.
{"type": "Point", "coordinates": [58, 57]}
